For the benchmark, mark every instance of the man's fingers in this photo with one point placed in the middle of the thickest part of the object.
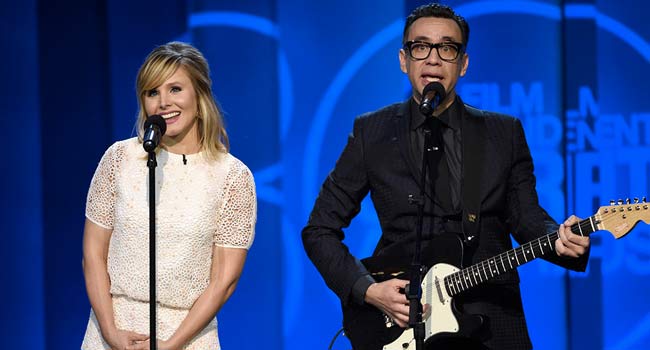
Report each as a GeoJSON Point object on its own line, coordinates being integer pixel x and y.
{"type": "Point", "coordinates": [562, 250]}
{"type": "Point", "coordinates": [401, 316]}
{"type": "Point", "coordinates": [398, 283]}
{"type": "Point", "coordinates": [577, 240]}
{"type": "Point", "coordinates": [570, 244]}
{"type": "Point", "coordinates": [396, 292]}
{"type": "Point", "coordinates": [571, 220]}
{"type": "Point", "coordinates": [562, 242]}
{"type": "Point", "coordinates": [574, 241]}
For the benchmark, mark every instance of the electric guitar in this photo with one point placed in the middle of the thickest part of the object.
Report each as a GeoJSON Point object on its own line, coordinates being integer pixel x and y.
{"type": "Point", "coordinates": [369, 329]}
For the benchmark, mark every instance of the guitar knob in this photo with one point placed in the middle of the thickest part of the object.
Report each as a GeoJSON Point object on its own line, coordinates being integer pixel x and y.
{"type": "Point", "coordinates": [636, 199]}
{"type": "Point", "coordinates": [627, 201]}
{"type": "Point", "coordinates": [611, 202]}
{"type": "Point", "coordinates": [620, 202]}
{"type": "Point", "coordinates": [643, 199]}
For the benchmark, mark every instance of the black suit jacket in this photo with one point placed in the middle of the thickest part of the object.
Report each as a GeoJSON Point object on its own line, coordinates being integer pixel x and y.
{"type": "Point", "coordinates": [498, 199]}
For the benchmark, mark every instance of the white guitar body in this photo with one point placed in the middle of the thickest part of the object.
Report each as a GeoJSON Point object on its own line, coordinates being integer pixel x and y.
{"type": "Point", "coordinates": [443, 281]}
{"type": "Point", "coordinates": [440, 306]}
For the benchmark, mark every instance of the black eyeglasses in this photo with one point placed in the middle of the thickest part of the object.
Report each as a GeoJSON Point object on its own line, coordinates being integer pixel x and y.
{"type": "Point", "coordinates": [420, 50]}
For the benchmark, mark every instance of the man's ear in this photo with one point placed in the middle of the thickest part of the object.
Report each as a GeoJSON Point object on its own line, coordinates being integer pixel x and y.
{"type": "Point", "coordinates": [403, 61]}
{"type": "Point", "coordinates": [464, 64]}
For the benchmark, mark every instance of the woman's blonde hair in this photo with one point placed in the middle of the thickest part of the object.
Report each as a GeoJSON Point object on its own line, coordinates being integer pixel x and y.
{"type": "Point", "coordinates": [161, 64]}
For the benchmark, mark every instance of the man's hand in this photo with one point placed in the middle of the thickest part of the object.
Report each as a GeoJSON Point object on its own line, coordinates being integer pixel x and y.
{"type": "Point", "coordinates": [570, 244]}
{"type": "Point", "coordinates": [387, 297]}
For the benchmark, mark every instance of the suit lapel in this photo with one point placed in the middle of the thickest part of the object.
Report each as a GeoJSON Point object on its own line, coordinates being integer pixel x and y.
{"type": "Point", "coordinates": [402, 128]}
{"type": "Point", "coordinates": [473, 159]}
{"type": "Point", "coordinates": [473, 144]}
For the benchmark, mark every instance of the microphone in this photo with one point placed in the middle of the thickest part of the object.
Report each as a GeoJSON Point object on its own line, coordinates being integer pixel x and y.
{"type": "Point", "coordinates": [432, 94]}
{"type": "Point", "coordinates": [154, 129]}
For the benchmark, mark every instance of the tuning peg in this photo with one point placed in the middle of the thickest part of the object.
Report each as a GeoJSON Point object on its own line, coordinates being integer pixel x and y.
{"type": "Point", "coordinates": [636, 200]}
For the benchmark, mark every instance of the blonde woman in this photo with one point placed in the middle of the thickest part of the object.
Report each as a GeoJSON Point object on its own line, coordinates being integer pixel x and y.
{"type": "Point", "coordinates": [205, 216]}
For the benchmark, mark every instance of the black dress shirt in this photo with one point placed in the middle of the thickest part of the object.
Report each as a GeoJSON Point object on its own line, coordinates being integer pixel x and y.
{"type": "Point", "coordinates": [451, 136]}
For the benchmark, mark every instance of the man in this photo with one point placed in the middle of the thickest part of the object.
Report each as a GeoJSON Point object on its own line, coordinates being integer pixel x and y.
{"type": "Point", "coordinates": [483, 191]}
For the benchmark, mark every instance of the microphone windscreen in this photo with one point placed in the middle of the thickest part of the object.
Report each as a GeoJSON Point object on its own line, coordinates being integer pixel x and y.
{"type": "Point", "coordinates": [157, 121]}
{"type": "Point", "coordinates": [435, 87]}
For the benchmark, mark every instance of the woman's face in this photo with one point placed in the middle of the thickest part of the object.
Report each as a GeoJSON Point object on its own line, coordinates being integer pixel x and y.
{"type": "Point", "coordinates": [175, 100]}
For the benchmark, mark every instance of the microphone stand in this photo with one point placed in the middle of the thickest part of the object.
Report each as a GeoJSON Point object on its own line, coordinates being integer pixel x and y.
{"type": "Point", "coordinates": [414, 288]}
{"type": "Point", "coordinates": [151, 164]}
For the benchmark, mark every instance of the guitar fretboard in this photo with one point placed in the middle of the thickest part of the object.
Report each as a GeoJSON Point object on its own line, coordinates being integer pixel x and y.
{"type": "Point", "coordinates": [488, 269]}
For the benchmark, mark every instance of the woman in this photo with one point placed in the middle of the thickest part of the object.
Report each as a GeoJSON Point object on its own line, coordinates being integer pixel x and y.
{"type": "Point", "coordinates": [205, 211]}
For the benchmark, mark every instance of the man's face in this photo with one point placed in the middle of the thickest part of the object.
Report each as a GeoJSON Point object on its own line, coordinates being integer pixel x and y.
{"type": "Point", "coordinates": [434, 30]}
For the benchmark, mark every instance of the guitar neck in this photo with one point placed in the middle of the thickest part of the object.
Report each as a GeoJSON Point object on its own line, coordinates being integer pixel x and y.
{"type": "Point", "coordinates": [488, 269]}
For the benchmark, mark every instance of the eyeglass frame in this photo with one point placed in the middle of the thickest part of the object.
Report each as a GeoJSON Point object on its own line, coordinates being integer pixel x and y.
{"type": "Point", "coordinates": [459, 46]}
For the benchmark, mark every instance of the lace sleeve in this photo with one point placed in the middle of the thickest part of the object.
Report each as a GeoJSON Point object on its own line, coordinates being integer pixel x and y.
{"type": "Point", "coordinates": [100, 202]}
{"type": "Point", "coordinates": [238, 214]}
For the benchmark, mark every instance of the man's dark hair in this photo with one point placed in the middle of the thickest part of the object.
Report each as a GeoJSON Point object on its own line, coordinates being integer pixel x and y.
{"type": "Point", "coordinates": [438, 11]}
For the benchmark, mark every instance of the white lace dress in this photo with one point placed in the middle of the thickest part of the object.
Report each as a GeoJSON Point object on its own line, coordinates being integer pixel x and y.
{"type": "Point", "coordinates": [198, 204]}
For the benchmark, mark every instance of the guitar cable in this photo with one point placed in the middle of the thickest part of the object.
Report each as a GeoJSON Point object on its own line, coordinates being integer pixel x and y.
{"type": "Point", "coordinates": [334, 339]}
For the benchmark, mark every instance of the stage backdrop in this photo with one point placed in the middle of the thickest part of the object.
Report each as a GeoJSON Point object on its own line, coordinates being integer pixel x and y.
{"type": "Point", "coordinates": [291, 76]}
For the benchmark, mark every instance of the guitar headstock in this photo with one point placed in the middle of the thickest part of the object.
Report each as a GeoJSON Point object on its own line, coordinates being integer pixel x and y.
{"type": "Point", "coordinates": [620, 216]}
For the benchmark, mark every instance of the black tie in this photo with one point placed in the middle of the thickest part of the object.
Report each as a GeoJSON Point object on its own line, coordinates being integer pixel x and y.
{"type": "Point", "coordinates": [437, 163]}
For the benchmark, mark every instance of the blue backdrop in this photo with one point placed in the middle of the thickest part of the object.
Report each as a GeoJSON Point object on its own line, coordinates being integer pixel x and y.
{"type": "Point", "coordinates": [291, 76]}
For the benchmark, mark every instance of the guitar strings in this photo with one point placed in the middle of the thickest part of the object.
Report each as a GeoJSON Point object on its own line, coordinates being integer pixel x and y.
{"type": "Point", "coordinates": [471, 276]}
{"type": "Point", "coordinates": [466, 278]}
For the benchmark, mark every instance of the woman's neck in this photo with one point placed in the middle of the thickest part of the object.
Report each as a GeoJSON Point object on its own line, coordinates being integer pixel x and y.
{"type": "Point", "coordinates": [182, 145]}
